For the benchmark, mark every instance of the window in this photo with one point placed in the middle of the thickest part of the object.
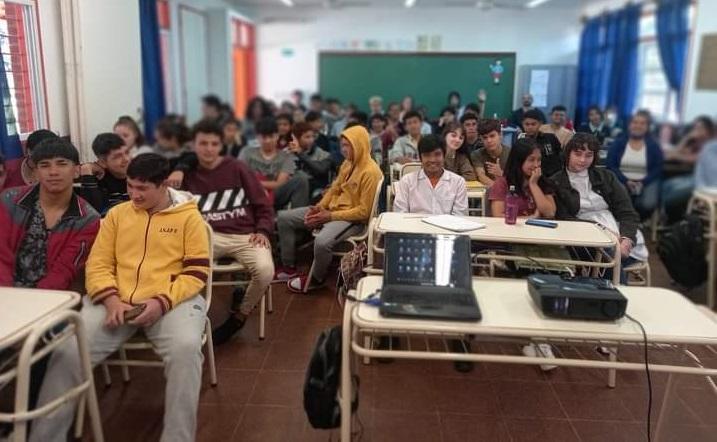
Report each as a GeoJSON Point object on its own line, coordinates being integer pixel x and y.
{"type": "Point", "coordinates": [24, 99]}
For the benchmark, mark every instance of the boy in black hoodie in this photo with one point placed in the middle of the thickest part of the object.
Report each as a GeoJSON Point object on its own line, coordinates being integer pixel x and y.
{"type": "Point", "coordinates": [104, 183]}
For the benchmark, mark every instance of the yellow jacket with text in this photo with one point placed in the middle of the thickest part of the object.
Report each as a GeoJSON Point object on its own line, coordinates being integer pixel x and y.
{"type": "Point", "coordinates": [138, 256]}
{"type": "Point", "coordinates": [350, 197]}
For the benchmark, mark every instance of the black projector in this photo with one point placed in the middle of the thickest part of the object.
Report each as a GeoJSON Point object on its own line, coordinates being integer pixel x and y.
{"type": "Point", "coordinates": [577, 298]}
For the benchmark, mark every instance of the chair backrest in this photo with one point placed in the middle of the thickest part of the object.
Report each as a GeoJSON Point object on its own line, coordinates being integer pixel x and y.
{"type": "Point", "coordinates": [209, 284]}
{"type": "Point", "coordinates": [409, 167]}
{"type": "Point", "coordinates": [376, 199]}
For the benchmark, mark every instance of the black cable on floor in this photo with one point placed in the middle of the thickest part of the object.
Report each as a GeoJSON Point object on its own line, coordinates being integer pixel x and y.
{"type": "Point", "coordinates": [649, 379]}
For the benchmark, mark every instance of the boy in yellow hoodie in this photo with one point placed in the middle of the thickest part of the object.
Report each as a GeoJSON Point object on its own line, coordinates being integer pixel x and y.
{"type": "Point", "coordinates": [342, 212]}
{"type": "Point", "coordinates": [151, 255]}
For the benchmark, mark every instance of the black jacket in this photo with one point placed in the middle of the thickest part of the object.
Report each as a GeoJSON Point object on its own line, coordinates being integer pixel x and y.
{"type": "Point", "coordinates": [605, 184]}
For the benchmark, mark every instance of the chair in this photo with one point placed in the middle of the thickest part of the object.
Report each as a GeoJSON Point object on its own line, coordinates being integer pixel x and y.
{"type": "Point", "coordinates": [641, 272]}
{"type": "Point", "coordinates": [408, 168]}
{"type": "Point", "coordinates": [352, 241]}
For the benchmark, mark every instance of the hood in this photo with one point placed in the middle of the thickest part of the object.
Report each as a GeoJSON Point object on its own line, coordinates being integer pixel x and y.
{"type": "Point", "coordinates": [360, 141]}
{"type": "Point", "coordinates": [181, 201]}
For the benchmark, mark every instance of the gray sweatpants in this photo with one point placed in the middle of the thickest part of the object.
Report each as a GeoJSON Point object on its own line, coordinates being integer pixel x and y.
{"type": "Point", "coordinates": [177, 338]}
{"type": "Point", "coordinates": [291, 221]}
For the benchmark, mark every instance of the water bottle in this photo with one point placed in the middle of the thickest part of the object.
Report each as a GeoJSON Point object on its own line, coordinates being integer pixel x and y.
{"type": "Point", "coordinates": [511, 206]}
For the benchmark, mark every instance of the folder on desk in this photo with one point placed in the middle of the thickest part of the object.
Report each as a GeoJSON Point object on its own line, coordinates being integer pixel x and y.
{"type": "Point", "coordinates": [453, 223]}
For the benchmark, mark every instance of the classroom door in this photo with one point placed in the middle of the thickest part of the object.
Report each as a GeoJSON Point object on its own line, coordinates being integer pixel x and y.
{"type": "Point", "coordinates": [194, 60]}
{"type": "Point", "coordinates": [244, 63]}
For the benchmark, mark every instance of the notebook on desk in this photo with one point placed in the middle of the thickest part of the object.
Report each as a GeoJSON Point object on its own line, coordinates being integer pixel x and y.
{"type": "Point", "coordinates": [453, 223]}
{"type": "Point", "coordinates": [428, 276]}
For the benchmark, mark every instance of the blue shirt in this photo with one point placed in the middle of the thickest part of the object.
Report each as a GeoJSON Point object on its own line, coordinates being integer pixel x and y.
{"type": "Point", "coordinates": [706, 169]}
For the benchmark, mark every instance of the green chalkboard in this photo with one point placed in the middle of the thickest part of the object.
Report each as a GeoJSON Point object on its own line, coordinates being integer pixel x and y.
{"type": "Point", "coordinates": [354, 77]}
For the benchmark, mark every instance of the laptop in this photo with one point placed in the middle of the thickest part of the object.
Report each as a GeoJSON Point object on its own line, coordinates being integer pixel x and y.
{"type": "Point", "coordinates": [428, 276]}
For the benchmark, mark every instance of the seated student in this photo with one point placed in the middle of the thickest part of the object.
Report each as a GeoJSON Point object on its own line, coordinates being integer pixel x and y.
{"type": "Point", "coordinates": [591, 193]}
{"type": "Point", "coordinates": [706, 168]}
{"type": "Point", "coordinates": [211, 107]}
{"type": "Point", "coordinates": [550, 149]}
{"type": "Point", "coordinates": [172, 136]}
{"type": "Point", "coordinates": [558, 118]}
{"type": "Point", "coordinates": [405, 149]}
{"type": "Point", "coordinates": [316, 103]}
{"type": "Point", "coordinates": [490, 160]}
{"type": "Point", "coordinates": [378, 124]}
{"type": "Point", "coordinates": [20, 171]}
{"type": "Point", "coordinates": [395, 126]}
{"type": "Point", "coordinates": [677, 191]}
{"type": "Point", "coordinates": [433, 189]}
{"type": "Point", "coordinates": [256, 109]}
{"type": "Point", "coordinates": [317, 123]}
{"type": "Point", "coordinates": [518, 115]}
{"type": "Point", "coordinates": [343, 211]}
{"type": "Point", "coordinates": [470, 121]}
{"type": "Point", "coordinates": [636, 159]}
{"type": "Point", "coordinates": [523, 171]}
{"type": "Point", "coordinates": [104, 182]}
{"type": "Point", "coordinates": [456, 160]}
{"type": "Point", "coordinates": [232, 137]}
{"type": "Point", "coordinates": [275, 168]}
{"type": "Point", "coordinates": [454, 103]}
{"type": "Point", "coordinates": [360, 117]}
{"type": "Point", "coordinates": [311, 161]}
{"type": "Point", "coordinates": [171, 259]}
{"type": "Point", "coordinates": [426, 127]}
{"type": "Point", "coordinates": [242, 225]}
{"type": "Point", "coordinates": [47, 231]}
{"type": "Point", "coordinates": [129, 131]}
{"type": "Point", "coordinates": [406, 107]}
{"type": "Point", "coordinates": [595, 125]}
{"type": "Point", "coordinates": [335, 117]}
{"type": "Point", "coordinates": [283, 124]}
{"type": "Point", "coordinates": [448, 116]}
{"type": "Point", "coordinates": [375, 105]}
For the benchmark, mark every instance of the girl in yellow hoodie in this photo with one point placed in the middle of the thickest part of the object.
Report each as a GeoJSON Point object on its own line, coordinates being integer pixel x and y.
{"type": "Point", "coordinates": [342, 212]}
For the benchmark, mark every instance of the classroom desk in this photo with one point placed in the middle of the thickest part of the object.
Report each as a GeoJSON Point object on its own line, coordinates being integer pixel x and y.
{"type": "Point", "coordinates": [704, 202]}
{"type": "Point", "coordinates": [475, 193]}
{"type": "Point", "coordinates": [26, 315]}
{"type": "Point", "coordinates": [509, 312]}
{"type": "Point", "coordinates": [568, 233]}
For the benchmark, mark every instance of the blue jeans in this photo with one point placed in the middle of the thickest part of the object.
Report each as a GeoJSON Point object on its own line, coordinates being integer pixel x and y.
{"type": "Point", "coordinates": [676, 194]}
{"type": "Point", "coordinates": [646, 201]}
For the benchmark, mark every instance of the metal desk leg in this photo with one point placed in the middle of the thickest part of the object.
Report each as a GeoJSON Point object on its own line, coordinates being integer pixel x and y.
{"type": "Point", "coordinates": [346, 387]}
{"type": "Point", "coordinates": [611, 374]}
{"type": "Point", "coordinates": [663, 409]}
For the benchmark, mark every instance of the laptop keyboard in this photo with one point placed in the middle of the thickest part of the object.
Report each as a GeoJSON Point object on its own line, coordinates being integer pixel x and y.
{"type": "Point", "coordinates": [435, 299]}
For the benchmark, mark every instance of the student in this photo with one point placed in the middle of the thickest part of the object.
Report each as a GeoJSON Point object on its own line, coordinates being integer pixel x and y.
{"type": "Point", "coordinates": [172, 136]}
{"type": "Point", "coordinates": [454, 103]}
{"type": "Point", "coordinates": [378, 125]}
{"type": "Point", "coordinates": [551, 150]}
{"type": "Point", "coordinates": [21, 171]}
{"type": "Point", "coordinates": [375, 105]}
{"type": "Point", "coordinates": [490, 160]}
{"type": "Point", "coordinates": [47, 231]}
{"type": "Point", "coordinates": [595, 125]}
{"type": "Point", "coordinates": [677, 191]}
{"type": "Point", "coordinates": [299, 115]}
{"type": "Point", "coordinates": [636, 158]}
{"type": "Point", "coordinates": [241, 217]}
{"type": "Point", "coordinates": [433, 189]}
{"type": "Point", "coordinates": [211, 107]}
{"type": "Point", "coordinates": [426, 128]}
{"type": "Point", "coordinates": [395, 125]}
{"type": "Point", "coordinates": [232, 137]}
{"type": "Point", "coordinates": [448, 116]}
{"type": "Point", "coordinates": [275, 168]}
{"type": "Point", "coordinates": [297, 98]}
{"type": "Point", "coordinates": [343, 211]}
{"type": "Point", "coordinates": [316, 103]}
{"type": "Point", "coordinates": [406, 107]}
{"type": "Point", "coordinates": [334, 117]}
{"type": "Point", "coordinates": [284, 122]}
{"type": "Point", "coordinates": [129, 131]}
{"type": "Point", "coordinates": [317, 123]}
{"type": "Point", "coordinates": [104, 182]}
{"type": "Point", "coordinates": [523, 171]}
{"type": "Point", "coordinates": [311, 161]}
{"type": "Point", "coordinates": [360, 117]}
{"type": "Point", "coordinates": [706, 168]}
{"type": "Point", "coordinates": [590, 193]}
{"type": "Point", "coordinates": [170, 256]}
{"type": "Point", "coordinates": [518, 115]}
{"type": "Point", "coordinates": [256, 110]}
{"type": "Point", "coordinates": [405, 149]}
{"type": "Point", "coordinates": [472, 142]}
{"type": "Point", "coordinates": [456, 160]}
{"type": "Point", "coordinates": [558, 117]}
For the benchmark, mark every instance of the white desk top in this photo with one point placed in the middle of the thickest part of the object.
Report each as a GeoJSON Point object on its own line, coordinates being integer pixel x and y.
{"type": "Point", "coordinates": [707, 193]}
{"type": "Point", "coordinates": [508, 310]}
{"type": "Point", "coordinates": [568, 233]}
{"type": "Point", "coordinates": [21, 308]}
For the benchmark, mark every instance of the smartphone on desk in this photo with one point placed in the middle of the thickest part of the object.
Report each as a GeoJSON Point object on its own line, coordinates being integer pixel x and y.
{"type": "Point", "coordinates": [541, 223]}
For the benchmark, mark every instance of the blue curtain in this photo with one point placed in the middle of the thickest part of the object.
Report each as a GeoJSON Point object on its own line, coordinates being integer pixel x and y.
{"type": "Point", "coordinates": [10, 145]}
{"type": "Point", "coordinates": [152, 82]}
{"type": "Point", "coordinates": [672, 34]}
{"type": "Point", "coordinates": [607, 66]}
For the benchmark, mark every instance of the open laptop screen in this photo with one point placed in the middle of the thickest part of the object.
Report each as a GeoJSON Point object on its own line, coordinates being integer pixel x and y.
{"type": "Point", "coordinates": [427, 260]}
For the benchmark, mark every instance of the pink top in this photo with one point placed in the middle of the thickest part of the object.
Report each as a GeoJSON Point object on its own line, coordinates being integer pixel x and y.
{"type": "Point", "coordinates": [526, 203]}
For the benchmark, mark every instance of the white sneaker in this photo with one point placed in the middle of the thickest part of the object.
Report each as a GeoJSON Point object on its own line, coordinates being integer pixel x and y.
{"type": "Point", "coordinates": [540, 350]}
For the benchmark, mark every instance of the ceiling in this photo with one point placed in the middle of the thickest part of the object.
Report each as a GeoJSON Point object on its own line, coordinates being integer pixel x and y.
{"type": "Point", "coordinates": [263, 6]}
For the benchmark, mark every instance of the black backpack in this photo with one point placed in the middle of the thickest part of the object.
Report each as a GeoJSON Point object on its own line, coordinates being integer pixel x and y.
{"type": "Point", "coordinates": [682, 251]}
{"type": "Point", "coordinates": [323, 377]}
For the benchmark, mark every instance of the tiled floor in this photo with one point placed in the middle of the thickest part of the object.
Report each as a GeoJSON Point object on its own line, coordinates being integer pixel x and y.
{"type": "Point", "coordinates": [259, 396]}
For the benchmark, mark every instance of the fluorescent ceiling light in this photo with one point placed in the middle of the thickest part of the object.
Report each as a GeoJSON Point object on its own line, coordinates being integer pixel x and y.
{"type": "Point", "coordinates": [289, 3]}
{"type": "Point", "coordinates": [409, 3]}
{"type": "Point", "coordinates": [535, 3]}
